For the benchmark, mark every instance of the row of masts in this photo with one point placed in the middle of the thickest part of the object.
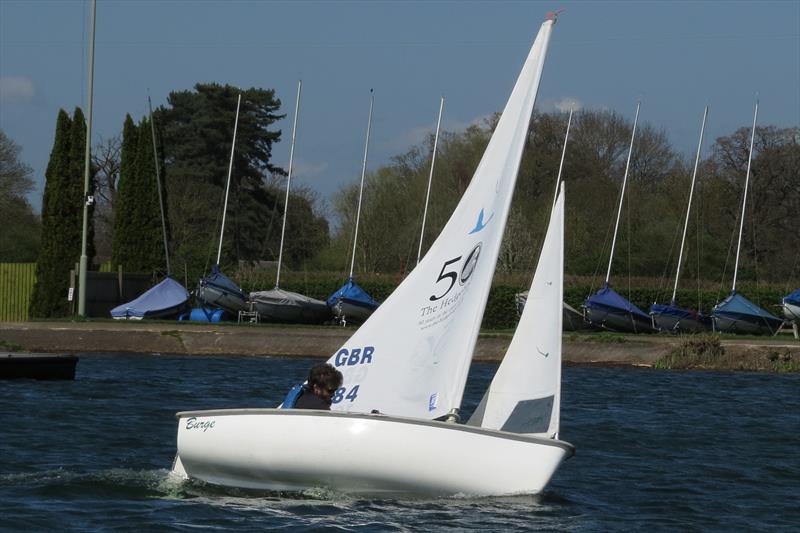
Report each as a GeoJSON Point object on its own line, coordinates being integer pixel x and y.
{"type": "Point", "coordinates": [289, 182]}
{"type": "Point", "coordinates": [691, 194]}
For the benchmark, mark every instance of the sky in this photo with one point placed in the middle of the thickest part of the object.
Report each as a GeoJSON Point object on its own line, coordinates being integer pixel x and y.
{"type": "Point", "coordinates": [674, 56]}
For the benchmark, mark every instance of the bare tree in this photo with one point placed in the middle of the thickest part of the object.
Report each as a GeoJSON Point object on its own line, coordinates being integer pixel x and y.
{"type": "Point", "coordinates": [106, 158]}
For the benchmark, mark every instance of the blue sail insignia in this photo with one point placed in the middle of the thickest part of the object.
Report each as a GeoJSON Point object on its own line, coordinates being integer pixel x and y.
{"type": "Point", "coordinates": [480, 224]}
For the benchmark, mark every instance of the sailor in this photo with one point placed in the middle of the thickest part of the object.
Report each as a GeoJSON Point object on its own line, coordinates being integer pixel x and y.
{"type": "Point", "coordinates": [318, 391]}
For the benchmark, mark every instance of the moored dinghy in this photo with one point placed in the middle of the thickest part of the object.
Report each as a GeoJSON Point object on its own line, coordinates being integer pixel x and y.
{"type": "Point", "coordinates": [351, 303]}
{"type": "Point", "coordinates": [672, 317]}
{"type": "Point", "coordinates": [737, 314]}
{"type": "Point", "coordinates": [217, 289]}
{"type": "Point", "coordinates": [410, 362]}
{"type": "Point", "coordinates": [279, 305]}
{"type": "Point", "coordinates": [168, 298]}
{"type": "Point", "coordinates": [791, 306]}
{"type": "Point", "coordinates": [606, 308]}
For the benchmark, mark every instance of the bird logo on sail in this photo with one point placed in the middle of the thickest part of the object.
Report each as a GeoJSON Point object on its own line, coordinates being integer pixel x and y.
{"type": "Point", "coordinates": [480, 224]}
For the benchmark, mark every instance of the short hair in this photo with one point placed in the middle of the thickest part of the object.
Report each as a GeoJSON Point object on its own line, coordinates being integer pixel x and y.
{"type": "Point", "coordinates": [325, 376]}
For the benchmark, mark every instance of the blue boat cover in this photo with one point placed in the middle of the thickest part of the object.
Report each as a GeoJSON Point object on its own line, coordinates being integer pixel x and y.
{"type": "Point", "coordinates": [793, 298]}
{"type": "Point", "coordinates": [673, 310]}
{"type": "Point", "coordinates": [608, 297]}
{"type": "Point", "coordinates": [736, 304]}
{"type": "Point", "coordinates": [352, 292]}
{"type": "Point", "coordinates": [217, 279]}
{"type": "Point", "coordinates": [166, 295]}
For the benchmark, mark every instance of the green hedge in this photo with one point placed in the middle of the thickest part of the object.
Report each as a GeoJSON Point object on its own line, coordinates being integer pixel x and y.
{"type": "Point", "coordinates": [501, 312]}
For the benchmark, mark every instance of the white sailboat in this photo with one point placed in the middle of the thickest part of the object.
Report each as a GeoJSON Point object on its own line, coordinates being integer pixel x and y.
{"type": "Point", "coordinates": [672, 317]}
{"type": "Point", "coordinates": [407, 366]}
{"type": "Point", "coordinates": [606, 308]}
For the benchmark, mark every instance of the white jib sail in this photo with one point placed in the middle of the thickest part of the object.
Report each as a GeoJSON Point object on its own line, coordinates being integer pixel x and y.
{"type": "Point", "coordinates": [525, 394]}
{"type": "Point", "coordinates": [412, 356]}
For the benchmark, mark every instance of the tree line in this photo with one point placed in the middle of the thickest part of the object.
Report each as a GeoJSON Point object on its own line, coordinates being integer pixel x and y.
{"type": "Point", "coordinates": [193, 133]}
{"type": "Point", "coordinates": [653, 211]}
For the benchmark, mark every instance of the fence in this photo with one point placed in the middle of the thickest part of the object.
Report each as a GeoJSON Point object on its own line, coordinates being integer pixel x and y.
{"type": "Point", "coordinates": [16, 288]}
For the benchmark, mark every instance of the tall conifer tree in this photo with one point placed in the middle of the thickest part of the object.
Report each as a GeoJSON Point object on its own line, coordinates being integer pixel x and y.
{"type": "Point", "coordinates": [49, 296]}
{"type": "Point", "coordinates": [138, 242]}
{"type": "Point", "coordinates": [123, 247]}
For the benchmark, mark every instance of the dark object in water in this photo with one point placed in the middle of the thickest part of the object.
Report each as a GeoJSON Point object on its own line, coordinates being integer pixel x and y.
{"type": "Point", "coordinates": [37, 366]}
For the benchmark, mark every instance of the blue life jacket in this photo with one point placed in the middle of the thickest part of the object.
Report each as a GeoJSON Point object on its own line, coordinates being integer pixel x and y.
{"type": "Point", "coordinates": [292, 396]}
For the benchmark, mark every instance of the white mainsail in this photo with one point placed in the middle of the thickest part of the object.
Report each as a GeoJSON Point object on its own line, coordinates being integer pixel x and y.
{"type": "Point", "coordinates": [525, 394]}
{"type": "Point", "coordinates": [412, 356]}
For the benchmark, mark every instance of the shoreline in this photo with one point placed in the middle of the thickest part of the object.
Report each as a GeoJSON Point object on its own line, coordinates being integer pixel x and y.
{"type": "Point", "coordinates": [181, 338]}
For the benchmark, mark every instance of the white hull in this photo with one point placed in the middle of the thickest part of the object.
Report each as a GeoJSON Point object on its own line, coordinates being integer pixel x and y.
{"type": "Point", "coordinates": [292, 449]}
{"type": "Point", "coordinates": [791, 312]}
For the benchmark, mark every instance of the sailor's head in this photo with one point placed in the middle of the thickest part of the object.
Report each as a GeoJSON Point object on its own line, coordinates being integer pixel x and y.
{"type": "Point", "coordinates": [324, 379]}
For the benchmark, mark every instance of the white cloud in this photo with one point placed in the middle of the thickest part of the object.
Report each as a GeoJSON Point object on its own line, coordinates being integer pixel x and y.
{"type": "Point", "coordinates": [16, 90]}
{"type": "Point", "coordinates": [567, 103]}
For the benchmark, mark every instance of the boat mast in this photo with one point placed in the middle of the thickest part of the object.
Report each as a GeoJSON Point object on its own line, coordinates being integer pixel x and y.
{"type": "Point", "coordinates": [158, 184]}
{"type": "Point", "coordinates": [288, 182]}
{"type": "Point", "coordinates": [744, 200]}
{"type": "Point", "coordinates": [622, 192]}
{"type": "Point", "coordinates": [228, 184]}
{"type": "Point", "coordinates": [689, 207]}
{"type": "Point", "coordinates": [563, 153]}
{"type": "Point", "coordinates": [361, 189]}
{"type": "Point", "coordinates": [87, 200]}
{"type": "Point", "coordinates": [430, 179]}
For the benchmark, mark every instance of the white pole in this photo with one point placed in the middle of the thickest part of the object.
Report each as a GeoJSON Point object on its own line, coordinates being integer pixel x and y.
{"type": "Point", "coordinates": [288, 182]}
{"type": "Point", "coordinates": [430, 179]}
{"type": "Point", "coordinates": [158, 184]}
{"type": "Point", "coordinates": [84, 260]}
{"type": "Point", "coordinates": [563, 153]}
{"type": "Point", "coordinates": [228, 184]}
{"type": "Point", "coordinates": [744, 200]}
{"type": "Point", "coordinates": [689, 207]}
{"type": "Point", "coordinates": [622, 192]}
{"type": "Point", "coordinates": [363, 173]}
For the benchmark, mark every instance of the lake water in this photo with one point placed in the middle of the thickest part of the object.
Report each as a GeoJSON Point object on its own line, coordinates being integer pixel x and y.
{"type": "Point", "coordinates": [656, 450]}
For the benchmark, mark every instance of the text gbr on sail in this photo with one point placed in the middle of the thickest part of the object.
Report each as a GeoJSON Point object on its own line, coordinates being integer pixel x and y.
{"type": "Point", "coordinates": [355, 356]}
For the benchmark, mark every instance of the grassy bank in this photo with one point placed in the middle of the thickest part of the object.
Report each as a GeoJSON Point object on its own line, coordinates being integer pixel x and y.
{"type": "Point", "coordinates": [706, 352]}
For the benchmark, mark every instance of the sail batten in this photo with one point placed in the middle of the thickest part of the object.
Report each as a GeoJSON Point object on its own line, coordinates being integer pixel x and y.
{"type": "Point", "coordinates": [412, 356]}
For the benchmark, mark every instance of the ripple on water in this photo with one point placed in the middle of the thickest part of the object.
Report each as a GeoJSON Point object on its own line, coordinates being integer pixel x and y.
{"type": "Point", "coordinates": [655, 451]}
